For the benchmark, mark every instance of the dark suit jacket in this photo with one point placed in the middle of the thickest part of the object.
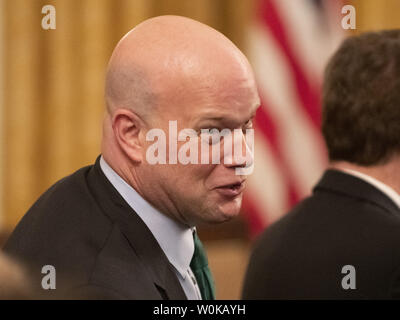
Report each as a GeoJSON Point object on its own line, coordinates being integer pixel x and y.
{"type": "Point", "coordinates": [97, 243]}
{"type": "Point", "coordinates": [346, 221]}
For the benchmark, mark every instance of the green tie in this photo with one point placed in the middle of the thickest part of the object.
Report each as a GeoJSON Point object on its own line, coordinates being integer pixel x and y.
{"type": "Point", "coordinates": [199, 266]}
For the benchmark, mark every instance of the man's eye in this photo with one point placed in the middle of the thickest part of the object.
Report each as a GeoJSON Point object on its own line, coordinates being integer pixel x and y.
{"type": "Point", "coordinates": [248, 124]}
{"type": "Point", "coordinates": [210, 131]}
{"type": "Point", "coordinates": [211, 135]}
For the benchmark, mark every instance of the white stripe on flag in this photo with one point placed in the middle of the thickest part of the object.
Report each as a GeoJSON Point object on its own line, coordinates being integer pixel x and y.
{"type": "Point", "coordinates": [301, 143]}
{"type": "Point", "coordinates": [310, 40]}
{"type": "Point", "coordinates": [266, 184]}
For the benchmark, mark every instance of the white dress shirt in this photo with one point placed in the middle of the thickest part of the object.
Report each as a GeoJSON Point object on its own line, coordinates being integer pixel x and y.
{"type": "Point", "coordinates": [175, 239]}
{"type": "Point", "coordinates": [390, 192]}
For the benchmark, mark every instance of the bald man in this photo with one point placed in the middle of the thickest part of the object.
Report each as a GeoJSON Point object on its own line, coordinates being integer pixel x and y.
{"type": "Point", "coordinates": [124, 228]}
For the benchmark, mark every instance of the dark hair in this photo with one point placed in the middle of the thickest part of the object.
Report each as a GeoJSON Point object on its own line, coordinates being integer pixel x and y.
{"type": "Point", "coordinates": [361, 99]}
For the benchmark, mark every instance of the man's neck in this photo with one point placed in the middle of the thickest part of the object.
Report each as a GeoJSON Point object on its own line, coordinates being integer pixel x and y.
{"type": "Point", "coordinates": [388, 173]}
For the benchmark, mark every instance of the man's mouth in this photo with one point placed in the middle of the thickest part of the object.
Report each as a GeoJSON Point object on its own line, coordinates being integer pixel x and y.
{"type": "Point", "coordinates": [231, 190]}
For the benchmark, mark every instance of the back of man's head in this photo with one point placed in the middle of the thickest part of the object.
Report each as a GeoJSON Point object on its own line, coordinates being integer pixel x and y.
{"type": "Point", "coordinates": [361, 99]}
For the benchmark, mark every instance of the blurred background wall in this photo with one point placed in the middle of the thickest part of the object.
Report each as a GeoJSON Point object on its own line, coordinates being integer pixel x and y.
{"type": "Point", "coordinates": [51, 96]}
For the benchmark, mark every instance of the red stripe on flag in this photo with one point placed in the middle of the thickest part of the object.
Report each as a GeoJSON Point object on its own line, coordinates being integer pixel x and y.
{"type": "Point", "coordinates": [254, 215]}
{"type": "Point", "coordinates": [307, 93]}
{"type": "Point", "coordinates": [266, 126]}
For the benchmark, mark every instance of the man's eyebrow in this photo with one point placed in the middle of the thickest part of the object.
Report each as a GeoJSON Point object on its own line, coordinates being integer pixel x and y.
{"type": "Point", "coordinates": [222, 118]}
{"type": "Point", "coordinates": [225, 118]}
{"type": "Point", "coordinates": [214, 118]}
{"type": "Point", "coordinates": [211, 118]}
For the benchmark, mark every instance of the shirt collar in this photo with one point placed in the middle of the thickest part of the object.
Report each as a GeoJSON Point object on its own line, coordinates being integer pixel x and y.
{"type": "Point", "coordinates": [388, 191]}
{"type": "Point", "coordinates": [175, 239]}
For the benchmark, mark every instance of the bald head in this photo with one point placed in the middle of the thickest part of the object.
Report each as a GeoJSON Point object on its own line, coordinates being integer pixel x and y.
{"type": "Point", "coordinates": [174, 70]}
{"type": "Point", "coordinates": [164, 56]}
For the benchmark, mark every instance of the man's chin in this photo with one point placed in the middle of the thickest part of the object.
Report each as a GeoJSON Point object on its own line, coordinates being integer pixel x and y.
{"type": "Point", "coordinates": [227, 212]}
{"type": "Point", "coordinates": [218, 217]}
{"type": "Point", "coordinates": [219, 212]}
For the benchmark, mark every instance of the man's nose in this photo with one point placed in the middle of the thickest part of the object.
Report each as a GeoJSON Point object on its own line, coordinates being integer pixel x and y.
{"type": "Point", "coordinates": [241, 154]}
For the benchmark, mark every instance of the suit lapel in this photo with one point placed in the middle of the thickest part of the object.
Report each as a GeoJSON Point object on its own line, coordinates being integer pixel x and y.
{"type": "Point", "coordinates": [138, 235]}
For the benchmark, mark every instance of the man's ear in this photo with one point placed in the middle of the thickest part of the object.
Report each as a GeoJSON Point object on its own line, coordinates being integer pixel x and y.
{"type": "Point", "coordinates": [127, 126]}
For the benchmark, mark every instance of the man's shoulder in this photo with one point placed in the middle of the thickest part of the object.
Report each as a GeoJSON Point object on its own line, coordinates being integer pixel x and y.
{"type": "Point", "coordinates": [316, 239]}
{"type": "Point", "coordinates": [328, 222]}
{"type": "Point", "coordinates": [66, 192]}
{"type": "Point", "coordinates": [333, 211]}
{"type": "Point", "coordinates": [71, 228]}
{"type": "Point", "coordinates": [64, 227]}
{"type": "Point", "coordinates": [67, 203]}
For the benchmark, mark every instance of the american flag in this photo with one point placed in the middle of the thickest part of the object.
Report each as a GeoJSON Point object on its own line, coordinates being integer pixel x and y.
{"type": "Point", "coordinates": [289, 44]}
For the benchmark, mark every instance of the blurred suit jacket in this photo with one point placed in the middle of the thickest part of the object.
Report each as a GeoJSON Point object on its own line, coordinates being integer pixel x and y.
{"type": "Point", "coordinates": [346, 221]}
{"type": "Point", "coordinates": [97, 243]}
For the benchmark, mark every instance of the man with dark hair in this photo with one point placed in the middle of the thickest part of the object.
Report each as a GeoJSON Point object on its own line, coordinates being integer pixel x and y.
{"type": "Point", "coordinates": [343, 242]}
